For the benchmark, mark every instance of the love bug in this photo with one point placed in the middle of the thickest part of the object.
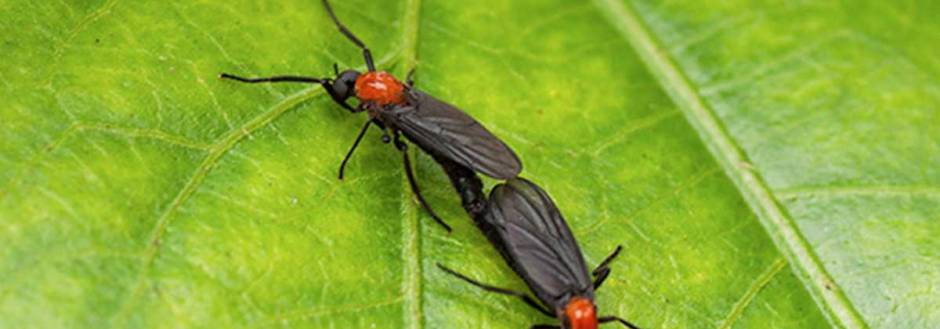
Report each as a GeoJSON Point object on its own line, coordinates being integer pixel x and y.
{"type": "Point", "coordinates": [440, 129]}
{"type": "Point", "coordinates": [525, 226]}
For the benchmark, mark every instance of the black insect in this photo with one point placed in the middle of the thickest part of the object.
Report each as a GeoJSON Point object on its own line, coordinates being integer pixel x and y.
{"type": "Point", "coordinates": [438, 128]}
{"type": "Point", "coordinates": [527, 229]}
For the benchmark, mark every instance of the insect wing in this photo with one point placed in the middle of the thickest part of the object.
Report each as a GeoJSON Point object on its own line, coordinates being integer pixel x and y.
{"type": "Point", "coordinates": [441, 128]}
{"type": "Point", "coordinates": [537, 239]}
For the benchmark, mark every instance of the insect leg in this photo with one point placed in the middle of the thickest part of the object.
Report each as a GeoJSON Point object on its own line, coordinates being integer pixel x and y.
{"type": "Point", "coordinates": [603, 265]}
{"type": "Point", "coordinates": [362, 133]}
{"type": "Point", "coordinates": [385, 138]}
{"type": "Point", "coordinates": [414, 185]}
{"type": "Point", "coordinates": [611, 318]}
{"type": "Point", "coordinates": [410, 78]}
{"type": "Point", "coordinates": [600, 277]}
{"type": "Point", "coordinates": [366, 53]}
{"type": "Point", "coordinates": [525, 298]}
{"type": "Point", "coordinates": [545, 326]}
{"type": "Point", "coordinates": [277, 78]}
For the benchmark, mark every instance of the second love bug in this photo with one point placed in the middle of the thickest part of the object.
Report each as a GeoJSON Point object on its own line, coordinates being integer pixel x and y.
{"type": "Point", "coordinates": [397, 108]}
{"type": "Point", "coordinates": [525, 226]}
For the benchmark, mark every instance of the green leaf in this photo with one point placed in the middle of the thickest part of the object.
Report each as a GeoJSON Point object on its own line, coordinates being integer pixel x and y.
{"type": "Point", "coordinates": [137, 190]}
{"type": "Point", "coordinates": [825, 117]}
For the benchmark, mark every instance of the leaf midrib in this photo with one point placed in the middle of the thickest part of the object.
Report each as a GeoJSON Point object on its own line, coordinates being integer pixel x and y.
{"type": "Point", "coordinates": [411, 229]}
{"type": "Point", "coordinates": [779, 226]}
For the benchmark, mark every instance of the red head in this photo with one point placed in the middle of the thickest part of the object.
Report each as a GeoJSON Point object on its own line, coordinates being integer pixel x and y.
{"type": "Point", "coordinates": [380, 88]}
{"type": "Point", "coordinates": [580, 313]}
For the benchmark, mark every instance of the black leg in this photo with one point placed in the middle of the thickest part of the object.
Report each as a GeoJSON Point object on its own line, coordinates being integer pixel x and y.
{"type": "Point", "coordinates": [342, 29]}
{"type": "Point", "coordinates": [606, 261]}
{"type": "Point", "coordinates": [362, 132]}
{"type": "Point", "coordinates": [414, 184]}
{"type": "Point", "coordinates": [611, 318]}
{"type": "Point", "coordinates": [544, 326]}
{"type": "Point", "coordinates": [600, 277]}
{"type": "Point", "coordinates": [278, 78]}
{"type": "Point", "coordinates": [525, 298]}
{"type": "Point", "coordinates": [385, 138]}
{"type": "Point", "coordinates": [410, 78]}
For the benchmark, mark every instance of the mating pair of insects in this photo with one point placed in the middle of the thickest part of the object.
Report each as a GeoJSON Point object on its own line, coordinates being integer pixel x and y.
{"type": "Point", "coordinates": [519, 218]}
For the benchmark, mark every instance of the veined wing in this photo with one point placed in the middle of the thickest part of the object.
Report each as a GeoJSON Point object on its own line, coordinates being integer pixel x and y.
{"type": "Point", "coordinates": [538, 240]}
{"type": "Point", "coordinates": [444, 130]}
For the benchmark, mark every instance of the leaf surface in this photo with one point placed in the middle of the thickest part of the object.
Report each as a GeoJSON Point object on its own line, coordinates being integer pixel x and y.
{"type": "Point", "coordinates": [825, 117]}
{"type": "Point", "coordinates": [140, 191]}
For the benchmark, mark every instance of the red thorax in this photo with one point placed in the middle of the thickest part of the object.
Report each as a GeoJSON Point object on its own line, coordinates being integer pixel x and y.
{"type": "Point", "coordinates": [580, 313]}
{"type": "Point", "coordinates": [380, 88]}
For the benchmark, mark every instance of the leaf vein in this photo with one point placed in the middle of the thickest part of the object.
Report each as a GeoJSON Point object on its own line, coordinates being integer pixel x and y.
{"type": "Point", "coordinates": [688, 184]}
{"type": "Point", "coordinates": [779, 226]}
{"type": "Point", "coordinates": [321, 312]}
{"type": "Point", "coordinates": [79, 127]}
{"type": "Point", "coordinates": [411, 229]}
{"type": "Point", "coordinates": [59, 47]}
{"type": "Point", "coordinates": [640, 125]}
{"type": "Point", "coordinates": [216, 151]}
{"type": "Point", "coordinates": [846, 191]}
{"type": "Point", "coordinates": [759, 284]}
